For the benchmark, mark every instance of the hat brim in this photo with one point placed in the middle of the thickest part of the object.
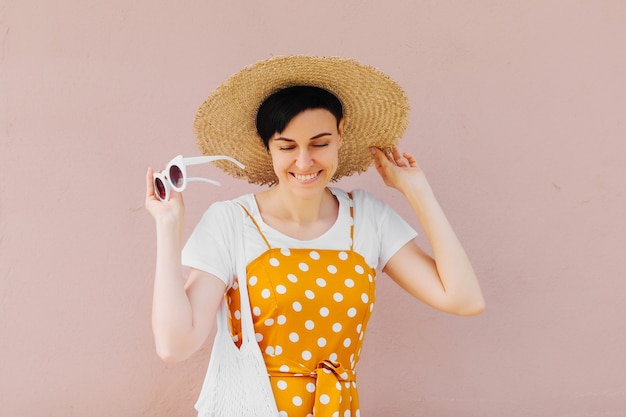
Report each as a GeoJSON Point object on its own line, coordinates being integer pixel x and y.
{"type": "Point", "coordinates": [375, 112]}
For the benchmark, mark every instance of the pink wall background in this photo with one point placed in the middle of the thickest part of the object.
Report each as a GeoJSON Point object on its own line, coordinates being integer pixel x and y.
{"type": "Point", "coordinates": [518, 116]}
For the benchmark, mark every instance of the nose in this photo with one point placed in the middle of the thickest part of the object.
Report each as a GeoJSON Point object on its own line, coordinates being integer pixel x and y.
{"type": "Point", "coordinates": [304, 160]}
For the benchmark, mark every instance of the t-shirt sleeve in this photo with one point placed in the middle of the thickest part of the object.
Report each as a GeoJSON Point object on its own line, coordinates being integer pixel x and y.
{"type": "Point", "coordinates": [391, 231]}
{"type": "Point", "coordinates": [210, 244]}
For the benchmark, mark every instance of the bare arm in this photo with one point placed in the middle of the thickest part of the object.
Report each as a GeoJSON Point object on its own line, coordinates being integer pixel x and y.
{"type": "Point", "coordinates": [183, 314]}
{"type": "Point", "coordinates": [447, 281]}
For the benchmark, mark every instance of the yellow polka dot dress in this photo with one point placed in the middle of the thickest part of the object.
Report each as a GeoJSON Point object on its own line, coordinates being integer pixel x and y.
{"type": "Point", "coordinates": [310, 310]}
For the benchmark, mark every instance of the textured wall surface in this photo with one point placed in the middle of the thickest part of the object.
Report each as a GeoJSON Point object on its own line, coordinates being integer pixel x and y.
{"type": "Point", "coordinates": [518, 117]}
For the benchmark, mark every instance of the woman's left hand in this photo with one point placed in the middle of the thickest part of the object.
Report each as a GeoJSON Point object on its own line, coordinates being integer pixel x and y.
{"type": "Point", "coordinates": [397, 170]}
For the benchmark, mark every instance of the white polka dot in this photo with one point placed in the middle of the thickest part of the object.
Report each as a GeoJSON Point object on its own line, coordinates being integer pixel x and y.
{"type": "Point", "coordinates": [309, 324]}
{"type": "Point", "coordinates": [303, 267]}
{"type": "Point", "coordinates": [238, 315]}
{"type": "Point", "coordinates": [306, 355]}
{"type": "Point", "coordinates": [343, 256]}
{"type": "Point", "coordinates": [365, 298]}
{"type": "Point", "coordinates": [256, 311]}
{"type": "Point", "coordinates": [324, 399]}
{"type": "Point", "coordinates": [336, 413]}
{"type": "Point", "coordinates": [371, 307]}
{"type": "Point", "coordinates": [278, 350]}
{"type": "Point", "coordinates": [259, 337]}
{"type": "Point", "coordinates": [297, 307]}
{"type": "Point", "coordinates": [269, 322]}
{"type": "Point", "coordinates": [281, 319]}
{"type": "Point", "coordinates": [266, 293]}
{"type": "Point", "coordinates": [359, 269]}
{"type": "Point", "coordinates": [358, 327]}
{"type": "Point", "coordinates": [297, 401]}
{"type": "Point", "coordinates": [352, 312]}
{"type": "Point", "coordinates": [349, 283]}
{"type": "Point", "coordinates": [293, 336]}
{"type": "Point", "coordinates": [310, 387]}
{"type": "Point", "coordinates": [338, 385]}
{"type": "Point", "coordinates": [347, 342]}
{"type": "Point", "coordinates": [324, 312]}
{"type": "Point", "coordinates": [337, 327]}
{"type": "Point", "coordinates": [344, 375]}
{"type": "Point", "coordinates": [235, 338]}
{"type": "Point", "coordinates": [283, 414]}
{"type": "Point", "coordinates": [285, 251]}
{"type": "Point", "coordinates": [309, 294]}
{"type": "Point", "coordinates": [282, 385]}
{"type": "Point", "coordinates": [369, 276]}
{"type": "Point", "coordinates": [274, 262]}
{"type": "Point", "coordinates": [284, 368]}
{"type": "Point", "coordinates": [269, 350]}
{"type": "Point", "coordinates": [314, 255]}
{"type": "Point", "coordinates": [338, 297]}
{"type": "Point", "coordinates": [358, 413]}
{"type": "Point", "coordinates": [281, 289]}
{"type": "Point", "coordinates": [333, 357]}
{"type": "Point", "coordinates": [347, 413]}
{"type": "Point", "coordinates": [321, 342]}
{"type": "Point", "coordinates": [253, 280]}
{"type": "Point", "coordinates": [236, 285]}
{"type": "Point", "coordinates": [332, 269]}
{"type": "Point", "coordinates": [321, 282]}
{"type": "Point", "coordinates": [292, 278]}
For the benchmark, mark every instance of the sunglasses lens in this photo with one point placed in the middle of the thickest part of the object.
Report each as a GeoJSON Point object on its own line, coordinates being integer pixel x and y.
{"type": "Point", "coordinates": [176, 176]}
{"type": "Point", "coordinates": [159, 189]}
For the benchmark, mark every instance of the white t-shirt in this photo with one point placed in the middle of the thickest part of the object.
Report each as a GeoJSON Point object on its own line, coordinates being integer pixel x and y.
{"type": "Point", "coordinates": [378, 233]}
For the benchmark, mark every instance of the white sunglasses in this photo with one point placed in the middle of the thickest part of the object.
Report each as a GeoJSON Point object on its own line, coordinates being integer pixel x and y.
{"type": "Point", "coordinates": [175, 175]}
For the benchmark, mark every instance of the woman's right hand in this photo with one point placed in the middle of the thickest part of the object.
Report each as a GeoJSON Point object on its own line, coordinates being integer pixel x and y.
{"type": "Point", "coordinates": [172, 210]}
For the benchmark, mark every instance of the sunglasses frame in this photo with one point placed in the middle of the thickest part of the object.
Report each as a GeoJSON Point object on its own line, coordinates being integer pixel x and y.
{"type": "Point", "coordinates": [164, 177]}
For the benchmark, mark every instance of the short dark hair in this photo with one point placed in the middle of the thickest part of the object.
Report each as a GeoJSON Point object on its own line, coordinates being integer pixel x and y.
{"type": "Point", "coordinates": [278, 109]}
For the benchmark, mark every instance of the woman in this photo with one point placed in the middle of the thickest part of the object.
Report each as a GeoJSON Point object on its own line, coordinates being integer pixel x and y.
{"type": "Point", "coordinates": [311, 250]}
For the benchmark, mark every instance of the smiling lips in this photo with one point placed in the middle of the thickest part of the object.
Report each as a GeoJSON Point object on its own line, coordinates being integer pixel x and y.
{"type": "Point", "coordinates": [307, 177]}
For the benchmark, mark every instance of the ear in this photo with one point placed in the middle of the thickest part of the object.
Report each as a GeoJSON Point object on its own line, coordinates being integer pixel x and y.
{"type": "Point", "coordinates": [340, 130]}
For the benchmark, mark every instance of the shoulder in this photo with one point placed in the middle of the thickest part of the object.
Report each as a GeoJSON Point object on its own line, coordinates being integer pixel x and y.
{"type": "Point", "coordinates": [358, 196]}
{"type": "Point", "coordinates": [221, 213]}
{"type": "Point", "coordinates": [368, 210]}
{"type": "Point", "coordinates": [366, 203]}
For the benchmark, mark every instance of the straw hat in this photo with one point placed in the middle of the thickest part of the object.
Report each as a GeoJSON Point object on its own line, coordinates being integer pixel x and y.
{"type": "Point", "coordinates": [375, 110]}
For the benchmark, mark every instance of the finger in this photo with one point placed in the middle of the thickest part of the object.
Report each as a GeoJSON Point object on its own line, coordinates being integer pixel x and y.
{"type": "Point", "coordinates": [149, 183]}
{"type": "Point", "coordinates": [410, 159]}
{"type": "Point", "coordinates": [398, 158]}
{"type": "Point", "coordinates": [381, 158]}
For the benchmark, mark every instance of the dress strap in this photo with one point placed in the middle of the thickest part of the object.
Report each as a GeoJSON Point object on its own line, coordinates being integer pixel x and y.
{"type": "Point", "coordinates": [256, 224]}
{"type": "Point", "coordinates": [352, 225]}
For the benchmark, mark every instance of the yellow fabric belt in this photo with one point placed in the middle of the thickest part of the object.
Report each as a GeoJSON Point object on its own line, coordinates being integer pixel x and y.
{"type": "Point", "coordinates": [332, 388]}
{"type": "Point", "coordinates": [332, 385]}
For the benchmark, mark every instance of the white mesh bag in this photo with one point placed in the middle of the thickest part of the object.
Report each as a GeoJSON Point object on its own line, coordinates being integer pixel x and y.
{"type": "Point", "coordinates": [236, 382]}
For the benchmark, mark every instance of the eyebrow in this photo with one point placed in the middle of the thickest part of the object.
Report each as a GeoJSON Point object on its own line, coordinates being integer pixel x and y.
{"type": "Point", "coordinates": [319, 135]}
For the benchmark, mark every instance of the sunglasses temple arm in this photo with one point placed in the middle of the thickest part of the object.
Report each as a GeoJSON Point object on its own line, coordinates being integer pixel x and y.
{"type": "Point", "coordinates": [205, 180]}
{"type": "Point", "coordinates": [194, 160]}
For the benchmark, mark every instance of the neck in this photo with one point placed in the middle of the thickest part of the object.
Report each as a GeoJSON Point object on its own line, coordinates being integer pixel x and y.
{"type": "Point", "coordinates": [296, 209]}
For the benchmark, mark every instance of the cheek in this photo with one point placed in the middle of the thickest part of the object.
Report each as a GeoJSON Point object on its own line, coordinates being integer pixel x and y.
{"type": "Point", "coordinates": [278, 162]}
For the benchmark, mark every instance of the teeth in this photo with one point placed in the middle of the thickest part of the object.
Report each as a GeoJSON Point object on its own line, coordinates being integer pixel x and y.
{"type": "Point", "coordinates": [305, 177]}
